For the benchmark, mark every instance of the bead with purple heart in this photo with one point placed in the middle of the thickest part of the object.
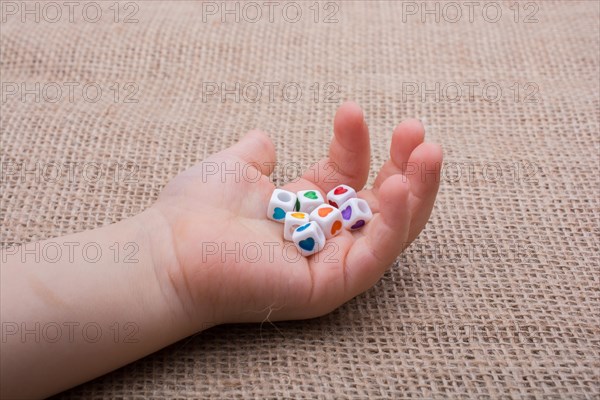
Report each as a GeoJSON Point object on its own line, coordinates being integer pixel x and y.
{"type": "Point", "coordinates": [355, 214]}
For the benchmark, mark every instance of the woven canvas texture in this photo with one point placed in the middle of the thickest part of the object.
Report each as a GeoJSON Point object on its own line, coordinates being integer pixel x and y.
{"type": "Point", "coordinates": [499, 296]}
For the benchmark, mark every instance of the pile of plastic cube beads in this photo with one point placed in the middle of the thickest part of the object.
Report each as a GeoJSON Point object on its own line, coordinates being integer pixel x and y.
{"type": "Point", "coordinates": [309, 221]}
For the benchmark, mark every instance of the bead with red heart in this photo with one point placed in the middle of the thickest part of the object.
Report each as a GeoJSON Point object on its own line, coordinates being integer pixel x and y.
{"type": "Point", "coordinates": [340, 194]}
{"type": "Point", "coordinates": [340, 190]}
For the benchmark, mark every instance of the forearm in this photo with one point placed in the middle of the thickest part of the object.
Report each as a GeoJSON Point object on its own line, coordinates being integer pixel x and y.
{"type": "Point", "coordinates": [79, 306]}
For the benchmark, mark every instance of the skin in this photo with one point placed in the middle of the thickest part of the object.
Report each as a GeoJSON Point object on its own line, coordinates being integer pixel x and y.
{"type": "Point", "coordinates": [190, 275]}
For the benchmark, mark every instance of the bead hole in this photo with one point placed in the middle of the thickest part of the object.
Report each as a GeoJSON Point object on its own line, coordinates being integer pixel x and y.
{"type": "Point", "coordinates": [283, 196]}
{"type": "Point", "coordinates": [362, 206]}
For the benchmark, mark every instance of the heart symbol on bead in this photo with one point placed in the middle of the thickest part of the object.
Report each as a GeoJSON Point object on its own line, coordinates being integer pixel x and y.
{"type": "Point", "coordinates": [347, 213]}
{"type": "Point", "coordinates": [337, 225]}
{"type": "Point", "coordinates": [297, 207]}
{"type": "Point", "coordinates": [278, 213]}
{"type": "Point", "coordinates": [311, 195]}
{"type": "Point", "coordinates": [307, 244]}
{"type": "Point", "coordinates": [298, 215]}
{"type": "Point", "coordinates": [303, 227]}
{"type": "Point", "coordinates": [323, 212]}
{"type": "Point", "coordinates": [357, 225]}
{"type": "Point", "coordinates": [333, 203]}
{"type": "Point", "coordinates": [340, 190]}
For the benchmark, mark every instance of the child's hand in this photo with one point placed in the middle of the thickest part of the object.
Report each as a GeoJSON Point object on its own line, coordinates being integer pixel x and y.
{"type": "Point", "coordinates": [228, 263]}
{"type": "Point", "coordinates": [205, 253]}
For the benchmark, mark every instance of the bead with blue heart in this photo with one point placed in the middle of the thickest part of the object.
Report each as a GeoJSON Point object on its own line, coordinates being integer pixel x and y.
{"type": "Point", "coordinates": [309, 238]}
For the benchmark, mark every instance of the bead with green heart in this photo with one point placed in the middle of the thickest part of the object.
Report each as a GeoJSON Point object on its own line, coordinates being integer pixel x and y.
{"type": "Point", "coordinates": [308, 200]}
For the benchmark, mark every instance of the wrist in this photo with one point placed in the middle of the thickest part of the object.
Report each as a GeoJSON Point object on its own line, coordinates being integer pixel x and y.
{"type": "Point", "coordinates": [119, 291]}
{"type": "Point", "coordinates": [184, 300]}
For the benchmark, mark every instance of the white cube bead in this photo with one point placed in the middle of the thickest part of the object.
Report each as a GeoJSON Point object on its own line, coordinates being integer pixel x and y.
{"type": "Point", "coordinates": [308, 200]}
{"type": "Point", "coordinates": [293, 219]}
{"type": "Point", "coordinates": [281, 202]}
{"type": "Point", "coordinates": [340, 194]}
{"type": "Point", "coordinates": [329, 220]}
{"type": "Point", "coordinates": [309, 239]}
{"type": "Point", "coordinates": [355, 213]}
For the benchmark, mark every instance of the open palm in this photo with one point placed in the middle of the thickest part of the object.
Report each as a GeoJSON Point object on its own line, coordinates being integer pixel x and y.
{"type": "Point", "coordinates": [232, 262]}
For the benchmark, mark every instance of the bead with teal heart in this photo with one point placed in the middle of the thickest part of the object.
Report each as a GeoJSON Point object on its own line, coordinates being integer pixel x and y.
{"type": "Point", "coordinates": [307, 244]}
{"type": "Point", "coordinates": [309, 238]}
{"type": "Point", "coordinates": [303, 227]}
{"type": "Point", "coordinates": [280, 203]}
{"type": "Point", "coordinates": [278, 213]}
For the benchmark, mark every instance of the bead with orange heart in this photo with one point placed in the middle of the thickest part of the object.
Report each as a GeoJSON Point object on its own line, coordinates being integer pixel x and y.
{"type": "Point", "coordinates": [293, 220]}
{"type": "Point", "coordinates": [328, 218]}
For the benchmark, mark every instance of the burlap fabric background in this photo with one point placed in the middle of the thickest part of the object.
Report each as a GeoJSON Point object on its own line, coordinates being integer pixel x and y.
{"type": "Point", "coordinates": [498, 296]}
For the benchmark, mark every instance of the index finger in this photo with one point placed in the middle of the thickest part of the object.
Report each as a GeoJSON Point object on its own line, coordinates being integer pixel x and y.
{"type": "Point", "coordinates": [349, 157]}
